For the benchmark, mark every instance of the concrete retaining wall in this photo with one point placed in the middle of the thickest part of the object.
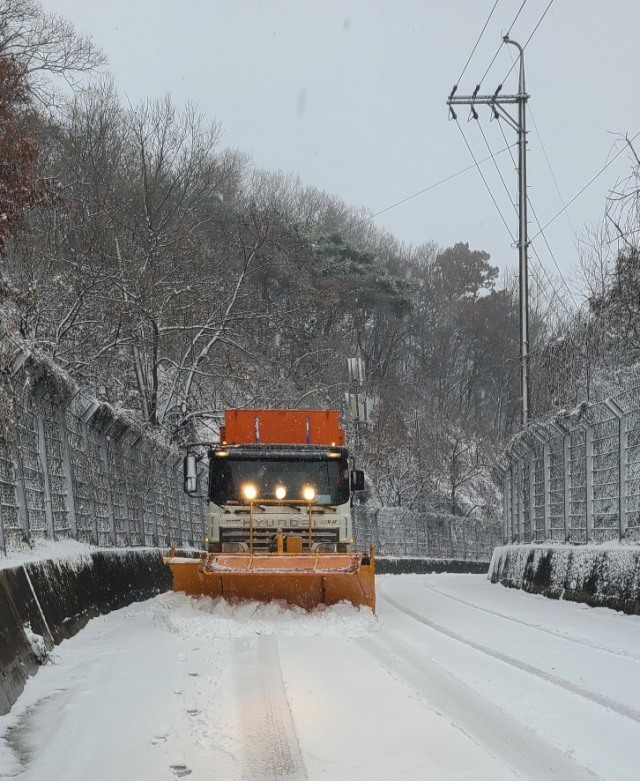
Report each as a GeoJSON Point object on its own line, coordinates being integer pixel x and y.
{"type": "Point", "coordinates": [56, 598]}
{"type": "Point", "coordinates": [599, 576]}
{"type": "Point", "coordinates": [405, 565]}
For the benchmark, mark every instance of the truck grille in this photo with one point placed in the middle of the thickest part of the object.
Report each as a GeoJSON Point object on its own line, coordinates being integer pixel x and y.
{"type": "Point", "coordinates": [264, 538]}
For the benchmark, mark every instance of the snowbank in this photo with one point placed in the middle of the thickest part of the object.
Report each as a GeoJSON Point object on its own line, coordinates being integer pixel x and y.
{"type": "Point", "coordinates": [598, 575]}
{"type": "Point", "coordinates": [206, 618]}
{"type": "Point", "coordinates": [45, 550]}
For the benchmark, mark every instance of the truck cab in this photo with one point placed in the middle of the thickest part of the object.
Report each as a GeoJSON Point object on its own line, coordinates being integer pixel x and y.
{"type": "Point", "coordinates": [280, 477]}
{"type": "Point", "coordinates": [285, 484]}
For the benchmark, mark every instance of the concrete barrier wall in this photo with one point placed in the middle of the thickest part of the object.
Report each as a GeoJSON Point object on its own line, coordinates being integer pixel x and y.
{"type": "Point", "coordinates": [405, 565]}
{"type": "Point", "coordinates": [598, 576]}
{"type": "Point", "coordinates": [54, 599]}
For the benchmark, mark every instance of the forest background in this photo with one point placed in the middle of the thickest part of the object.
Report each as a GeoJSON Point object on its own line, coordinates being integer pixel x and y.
{"type": "Point", "coordinates": [174, 279]}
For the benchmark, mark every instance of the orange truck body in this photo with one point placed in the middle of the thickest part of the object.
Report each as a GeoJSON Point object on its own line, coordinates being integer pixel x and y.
{"type": "Point", "coordinates": [282, 427]}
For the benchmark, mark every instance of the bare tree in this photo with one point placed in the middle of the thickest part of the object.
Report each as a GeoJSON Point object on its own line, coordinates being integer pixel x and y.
{"type": "Point", "coordinates": [45, 45]}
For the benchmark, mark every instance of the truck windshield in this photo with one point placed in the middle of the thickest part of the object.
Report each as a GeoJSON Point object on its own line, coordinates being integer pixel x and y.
{"type": "Point", "coordinates": [227, 477]}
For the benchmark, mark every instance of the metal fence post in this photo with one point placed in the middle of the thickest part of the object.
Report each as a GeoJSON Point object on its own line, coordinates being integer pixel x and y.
{"type": "Point", "coordinates": [521, 499]}
{"type": "Point", "coordinates": [505, 502]}
{"type": "Point", "coordinates": [166, 500]}
{"type": "Point", "coordinates": [121, 482]}
{"type": "Point", "coordinates": [546, 455]}
{"type": "Point", "coordinates": [67, 468]}
{"type": "Point", "coordinates": [150, 498]}
{"type": "Point", "coordinates": [588, 452]}
{"type": "Point", "coordinates": [622, 465]}
{"type": "Point", "coordinates": [154, 512]}
{"type": "Point", "coordinates": [39, 392]}
{"type": "Point", "coordinates": [21, 494]}
{"type": "Point", "coordinates": [514, 501]}
{"type": "Point", "coordinates": [14, 455]}
{"type": "Point", "coordinates": [136, 461]}
{"type": "Point", "coordinates": [3, 544]}
{"type": "Point", "coordinates": [508, 537]}
{"type": "Point", "coordinates": [622, 498]}
{"type": "Point", "coordinates": [566, 444]}
{"type": "Point", "coordinates": [532, 494]}
{"type": "Point", "coordinates": [84, 427]}
{"type": "Point", "coordinates": [104, 455]}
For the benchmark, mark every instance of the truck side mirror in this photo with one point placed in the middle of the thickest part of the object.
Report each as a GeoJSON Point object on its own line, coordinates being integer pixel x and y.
{"type": "Point", "coordinates": [190, 475]}
{"type": "Point", "coordinates": [357, 480]}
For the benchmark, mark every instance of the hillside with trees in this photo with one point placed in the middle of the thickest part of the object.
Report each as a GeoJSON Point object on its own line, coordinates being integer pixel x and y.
{"type": "Point", "coordinates": [173, 278]}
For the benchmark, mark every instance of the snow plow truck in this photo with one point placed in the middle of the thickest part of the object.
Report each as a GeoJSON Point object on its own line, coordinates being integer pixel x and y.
{"type": "Point", "coordinates": [279, 525]}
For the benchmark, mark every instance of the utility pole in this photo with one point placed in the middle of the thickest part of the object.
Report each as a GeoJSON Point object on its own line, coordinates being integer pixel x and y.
{"type": "Point", "coordinates": [498, 103]}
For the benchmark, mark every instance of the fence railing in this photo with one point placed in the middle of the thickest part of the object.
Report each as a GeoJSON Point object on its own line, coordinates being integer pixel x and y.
{"type": "Point", "coordinates": [576, 478]}
{"type": "Point", "coordinates": [396, 531]}
{"type": "Point", "coordinates": [73, 469]}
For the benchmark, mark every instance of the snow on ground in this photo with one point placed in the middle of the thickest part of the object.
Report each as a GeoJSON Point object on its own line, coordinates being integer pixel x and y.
{"type": "Point", "coordinates": [210, 619]}
{"type": "Point", "coordinates": [455, 678]}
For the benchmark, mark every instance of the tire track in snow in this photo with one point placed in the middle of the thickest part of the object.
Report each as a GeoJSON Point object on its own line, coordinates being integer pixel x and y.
{"type": "Point", "coordinates": [270, 748]}
{"type": "Point", "coordinates": [525, 753]}
{"type": "Point", "coordinates": [559, 635]}
{"type": "Point", "coordinates": [598, 699]}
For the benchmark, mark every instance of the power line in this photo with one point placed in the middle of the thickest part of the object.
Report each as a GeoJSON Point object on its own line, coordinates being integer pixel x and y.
{"type": "Point", "coordinates": [437, 184]}
{"type": "Point", "coordinates": [541, 229]}
{"type": "Point", "coordinates": [486, 184]}
{"type": "Point", "coordinates": [515, 208]}
{"type": "Point", "coordinates": [478, 41]}
{"type": "Point", "coordinates": [529, 38]}
{"type": "Point", "coordinates": [504, 184]}
{"type": "Point", "coordinates": [541, 267]}
{"type": "Point", "coordinates": [538, 224]}
{"type": "Point", "coordinates": [540, 284]}
{"type": "Point", "coordinates": [588, 184]}
{"type": "Point", "coordinates": [502, 43]}
{"type": "Point", "coordinates": [546, 157]}
{"type": "Point", "coordinates": [550, 281]}
{"type": "Point", "coordinates": [516, 17]}
{"type": "Point", "coordinates": [553, 257]}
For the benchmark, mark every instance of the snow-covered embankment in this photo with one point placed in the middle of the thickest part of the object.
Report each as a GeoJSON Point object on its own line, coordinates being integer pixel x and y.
{"type": "Point", "coordinates": [599, 575]}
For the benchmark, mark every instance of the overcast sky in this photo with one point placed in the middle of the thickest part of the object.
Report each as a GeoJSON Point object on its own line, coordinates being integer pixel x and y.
{"type": "Point", "coordinates": [351, 96]}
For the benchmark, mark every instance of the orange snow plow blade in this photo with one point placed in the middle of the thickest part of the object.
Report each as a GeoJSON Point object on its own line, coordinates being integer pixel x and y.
{"type": "Point", "coordinates": [303, 579]}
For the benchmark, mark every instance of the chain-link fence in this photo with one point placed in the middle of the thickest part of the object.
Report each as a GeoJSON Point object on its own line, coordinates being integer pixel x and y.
{"type": "Point", "coordinates": [576, 478]}
{"type": "Point", "coordinates": [395, 531]}
{"type": "Point", "coordinates": [73, 469]}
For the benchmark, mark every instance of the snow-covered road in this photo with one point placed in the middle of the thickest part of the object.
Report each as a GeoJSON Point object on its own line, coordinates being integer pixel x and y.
{"type": "Point", "coordinates": [454, 679]}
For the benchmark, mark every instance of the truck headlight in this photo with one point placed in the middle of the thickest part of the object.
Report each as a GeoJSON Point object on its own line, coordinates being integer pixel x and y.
{"type": "Point", "coordinates": [250, 492]}
{"type": "Point", "coordinates": [309, 493]}
{"type": "Point", "coordinates": [281, 492]}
